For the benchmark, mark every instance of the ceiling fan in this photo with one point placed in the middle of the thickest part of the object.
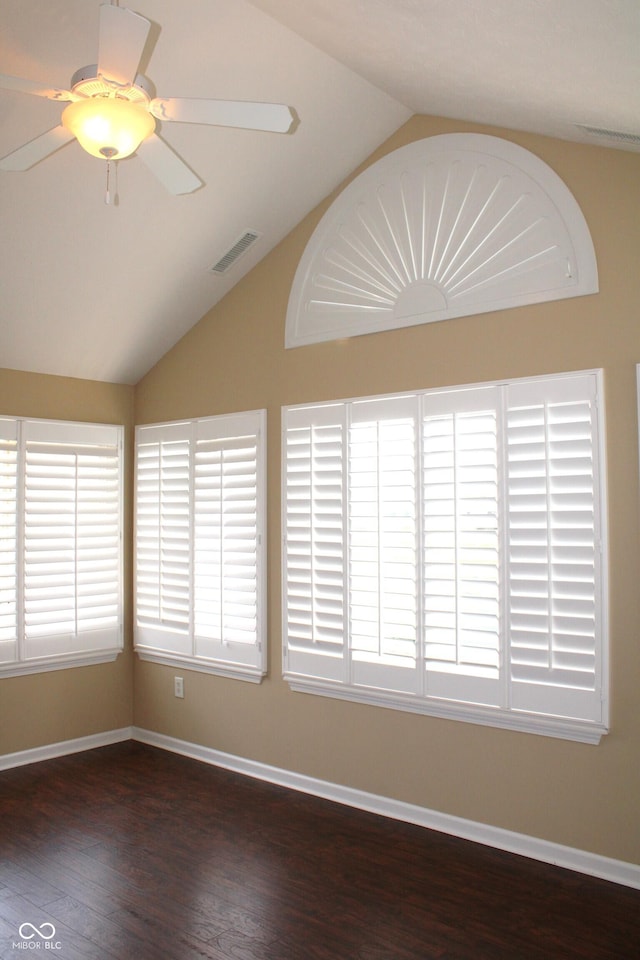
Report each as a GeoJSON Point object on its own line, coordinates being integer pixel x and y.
{"type": "Point", "coordinates": [112, 110]}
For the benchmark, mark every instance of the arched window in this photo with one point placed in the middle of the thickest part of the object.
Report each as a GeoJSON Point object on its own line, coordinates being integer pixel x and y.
{"type": "Point", "coordinates": [445, 227]}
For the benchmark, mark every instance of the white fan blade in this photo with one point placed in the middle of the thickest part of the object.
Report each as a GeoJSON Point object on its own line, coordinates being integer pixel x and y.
{"type": "Point", "coordinates": [123, 35]}
{"type": "Point", "coordinates": [32, 86]}
{"type": "Point", "coordinates": [167, 166]}
{"type": "Point", "coordinates": [31, 153]}
{"type": "Point", "coordinates": [274, 117]}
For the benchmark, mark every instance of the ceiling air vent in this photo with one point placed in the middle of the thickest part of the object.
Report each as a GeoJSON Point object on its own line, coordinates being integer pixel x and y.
{"type": "Point", "coordinates": [241, 246]}
{"type": "Point", "coordinates": [618, 135]}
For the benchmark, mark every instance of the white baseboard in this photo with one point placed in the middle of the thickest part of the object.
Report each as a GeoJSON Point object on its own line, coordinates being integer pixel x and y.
{"type": "Point", "coordinates": [592, 864]}
{"type": "Point", "coordinates": [52, 750]}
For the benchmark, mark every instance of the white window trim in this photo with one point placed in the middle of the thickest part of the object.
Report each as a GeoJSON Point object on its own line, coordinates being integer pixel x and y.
{"type": "Point", "coordinates": [579, 730]}
{"type": "Point", "coordinates": [65, 431]}
{"type": "Point", "coordinates": [149, 645]}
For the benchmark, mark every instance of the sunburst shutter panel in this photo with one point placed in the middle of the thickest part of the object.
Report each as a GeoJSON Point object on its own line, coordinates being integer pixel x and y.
{"type": "Point", "coordinates": [451, 226]}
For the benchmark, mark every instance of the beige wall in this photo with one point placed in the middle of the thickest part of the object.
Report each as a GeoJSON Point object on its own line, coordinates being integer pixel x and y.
{"type": "Point", "coordinates": [580, 795]}
{"type": "Point", "coordinates": [60, 705]}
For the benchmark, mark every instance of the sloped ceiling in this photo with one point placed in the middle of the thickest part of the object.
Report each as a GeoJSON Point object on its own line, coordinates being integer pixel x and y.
{"type": "Point", "coordinates": [103, 291]}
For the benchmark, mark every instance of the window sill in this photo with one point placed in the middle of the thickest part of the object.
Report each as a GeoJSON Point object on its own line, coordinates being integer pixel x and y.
{"type": "Point", "coordinates": [577, 730]}
{"type": "Point", "coordinates": [230, 670]}
{"type": "Point", "coordinates": [45, 665]}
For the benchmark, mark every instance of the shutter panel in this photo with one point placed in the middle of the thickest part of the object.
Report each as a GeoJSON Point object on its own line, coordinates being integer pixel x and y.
{"type": "Point", "coordinates": [228, 538]}
{"type": "Point", "coordinates": [71, 538]}
{"type": "Point", "coordinates": [199, 543]}
{"type": "Point", "coordinates": [383, 519]}
{"type": "Point", "coordinates": [554, 548]}
{"type": "Point", "coordinates": [8, 541]}
{"type": "Point", "coordinates": [314, 565]}
{"type": "Point", "coordinates": [163, 529]}
{"type": "Point", "coordinates": [461, 565]}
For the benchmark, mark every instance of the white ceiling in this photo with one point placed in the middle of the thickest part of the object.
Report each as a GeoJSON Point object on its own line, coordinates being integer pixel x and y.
{"type": "Point", "coordinates": [102, 292]}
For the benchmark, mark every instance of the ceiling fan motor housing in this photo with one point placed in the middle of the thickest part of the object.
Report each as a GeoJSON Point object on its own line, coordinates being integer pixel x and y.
{"type": "Point", "coordinates": [87, 82]}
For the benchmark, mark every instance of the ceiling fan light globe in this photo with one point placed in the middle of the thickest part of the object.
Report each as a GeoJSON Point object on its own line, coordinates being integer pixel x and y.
{"type": "Point", "coordinates": [108, 127]}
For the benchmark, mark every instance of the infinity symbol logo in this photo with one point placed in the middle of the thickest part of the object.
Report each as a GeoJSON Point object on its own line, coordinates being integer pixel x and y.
{"type": "Point", "coordinates": [40, 931]}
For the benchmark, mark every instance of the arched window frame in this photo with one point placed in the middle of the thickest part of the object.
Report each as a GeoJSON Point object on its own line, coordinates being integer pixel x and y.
{"type": "Point", "coordinates": [450, 226]}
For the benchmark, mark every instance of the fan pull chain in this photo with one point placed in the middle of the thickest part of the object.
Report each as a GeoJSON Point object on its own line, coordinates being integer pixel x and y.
{"type": "Point", "coordinates": [107, 196]}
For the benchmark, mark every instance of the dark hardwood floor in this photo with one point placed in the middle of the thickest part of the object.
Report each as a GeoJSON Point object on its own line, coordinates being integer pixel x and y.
{"type": "Point", "coordinates": [128, 851]}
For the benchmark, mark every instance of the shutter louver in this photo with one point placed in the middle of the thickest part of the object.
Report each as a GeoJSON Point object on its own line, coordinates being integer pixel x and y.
{"type": "Point", "coordinates": [553, 552]}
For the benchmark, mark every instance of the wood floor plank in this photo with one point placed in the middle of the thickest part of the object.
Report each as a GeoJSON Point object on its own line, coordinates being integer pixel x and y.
{"type": "Point", "coordinates": [129, 851]}
{"type": "Point", "coordinates": [38, 891]}
{"type": "Point", "coordinates": [70, 884]}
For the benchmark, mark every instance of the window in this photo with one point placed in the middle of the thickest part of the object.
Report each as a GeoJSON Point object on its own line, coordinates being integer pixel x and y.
{"type": "Point", "coordinates": [200, 544]}
{"type": "Point", "coordinates": [60, 544]}
{"type": "Point", "coordinates": [443, 553]}
{"type": "Point", "coordinates": [450, 226]}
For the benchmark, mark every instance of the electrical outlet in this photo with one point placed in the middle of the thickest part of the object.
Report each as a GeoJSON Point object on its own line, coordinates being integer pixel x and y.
{"type": "Point", "coordinates": [178, 687]}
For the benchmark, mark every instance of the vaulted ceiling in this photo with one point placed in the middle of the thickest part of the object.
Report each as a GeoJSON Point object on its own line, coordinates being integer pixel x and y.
{"type": "Point", "coordinates": [102, 291]}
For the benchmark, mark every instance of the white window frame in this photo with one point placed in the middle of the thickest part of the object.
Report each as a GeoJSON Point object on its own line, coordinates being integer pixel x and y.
{"type": "Point", "coordinates": [316, 657]}
{"type": "Point", "coordinates": [166, 615]}
{"type": "Point", "coordinates": [50, 508]}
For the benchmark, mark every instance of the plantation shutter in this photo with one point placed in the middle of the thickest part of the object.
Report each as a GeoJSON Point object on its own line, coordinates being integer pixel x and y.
{"type": "Point", "coordinates": [443, 553]}
{"type": "Point", "coordinates": [383, 542]}
{"type": "Point", "coordinates": [461, 565]}
{"type": "Point", "coordinates": [72, 540]}
{"type": "Point", "coordinates": [314, 541]}
{"type": "Point", "coordinates": [555, 578]}
{"type": "Point", "coordinates": [8, 541]}
{"type": "Point", "coordinates": [200, 542]}
{"type": "Point", "coordinates": [163, 530]}
{"type": "Point", "coordinates": [227, 539]}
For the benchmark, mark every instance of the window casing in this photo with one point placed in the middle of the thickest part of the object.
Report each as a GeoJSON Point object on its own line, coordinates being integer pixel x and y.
{"type": "Point", "coordinates": [444, 553]}
{"type": "Point", "coordinates": [61, 493]}
{"type": "Point", "coordinates": [200, 544]}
